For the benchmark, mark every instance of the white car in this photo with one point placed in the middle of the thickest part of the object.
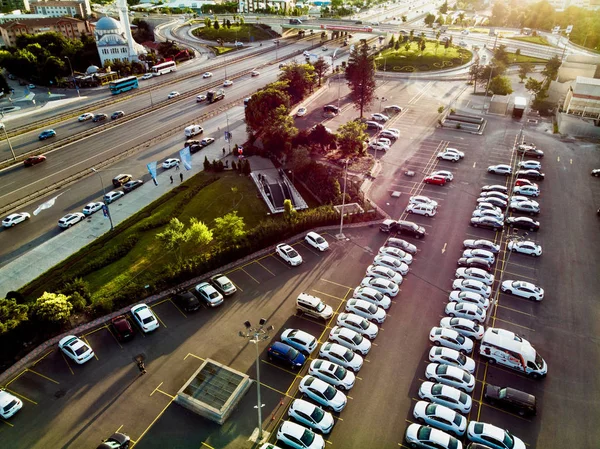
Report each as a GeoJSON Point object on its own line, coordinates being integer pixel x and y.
{"type": "Point", "coordinates": [322, 393]}
{"type": "Point", "coordinates": [9, 404]}
{"type": "Point", "coordinates": [170, 163]}
{"type": "Point", "coordinates": [299, 437]}
{"type": "Point", "coordinates": [144, 317]}
{"type": "Point", "coordinates": [428, 437]}
{"type": "Point", "coordinates": [447, 356]}
{"type": "Point", "coordinates": [476, 274]}
{"type": "Point", "coordinates": [75, 349]}
{"type": "Point", "coordinates": [482, 244]}
{"type": "Point", "coordinates": [493, 436]}
{"type": "Point", "coordinates": [478, 213]}
{"type": "Point", "coordinates": [70, 219]}
{"type": "Point", "coordinates": [391, 262]}
{"type": "Point", "coordinates": [450, 375]}
{"type": "Point", "coordinates": [440, 417]}
{"type": "Point", "coordinates": [316, 241]}
{"type": "Point", "coordinates": [377, 271]}
{"type": "Point", "coordinates": [147, 76]}
{"type": "Point", "coordinates": [289, 254]}
{"type": "Point", "coordinates": [527, 191]}
{"type": "Point", "coordinates": [384, 286]}
{"type": "Point", "coordinates": [385, 141]}
{"type": "Point", "coordinates": [85, 117]}
{"type": "Point", "coordinates": [350, 339]}
{"type": "Point", "coordinates": [373, 296]}
{"type": "Point", "coordinates": [200, 98]}
{"type": "Point", "coordinates": [311, 415]}
{"type": "Point", "coordinates": [530, 165]}
{"type": "Point", "coordinates": [397, 253]}
{"type": "Point", "coordinates": [300, 340]}
{"type": "Point", "coordinates": [451, 154]}
{"type": "Point", "coordinates": [464, 327]}
{"type": "Point", "coordinates": [422, 199]}
{"type": "Point", "coordinates": [254, 73]}
{"type": "Point", "coordinates": [173, 94]}
{"type": "Point", "coordinates": [421, 209]}
{"type": "Point", "coordinates": [449, 338]}
{"type": "Point", "coordinates": [91, 208]}
{"type": "Point", "coordinates": [470, 285]}
{"type": "Point", "coordinates": [502, 196]}
{"type": "Point", "coordinates": [15, 219]}
{"type": "Point", "coordinates": [465, 310]}
{"type": "Point", "coordinates": [301, 112]}
{"type": "Point", "coordinates": [446, 396]}
{"type": "Point", "coordinates": [342, 356]}
{"type": "Point", "coordinates": [495, 188]}
{"type": "Point", "coordinates": [365, 309]}
{"type": "Point", "coordinates": [332, 373]}
{"type": "Point", "coordinates": [379, 146]}
{"type": "Point", "coordinates": [401, 244]}
{"type": "Point", "coordinates": [209, 294]}
{"type": "Point", "coordinates": [485, 205]}
{"type": "Point", "coordinates": [519, 198]}
{"type": "Point", "coordinates": [479, 253]}
{"type": "Point", "coordinates": [501, 169]}
{"type": "Point", "coordinates": [525, 247]}
{"type": "Point", "coordinates": [379, 117]}
{"type": "Point", "coordinates": [207, 75]}
{"type": "Point", "coordinates": [523, 289]}
{"type": "Point", "coordinates": [227, 83]}
{"type": "Point", "coordinates": [113, 196]}
{"type": "Point", "coordinates": [390, 134]}
{"type": "Point", "coordinates": [530, 207]}
{"type": "Point", "coordinates": [447, 175]}
{"type": "Point", "coordinates": [469, 298]}
{"type": "Point", "coordinates": [358, 324]}
{"type": "Point", "coordinates": [494, 201]}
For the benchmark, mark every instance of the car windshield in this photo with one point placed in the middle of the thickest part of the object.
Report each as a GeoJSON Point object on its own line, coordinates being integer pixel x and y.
{"type": "Point", "coordinates": [508, 441]}
{"type": "Point", "coordinates": [453, 442]}
{"type": "Point", "coordinates": [329, 392]}
{"type": "Point", "coordinates": [340, 372]}
{"type": "Point", "coordinates": [292, 253]}
{"type": "Point", "coordinates": [463, 398]}
{"type": "Point", "coordinates": [457, 420]}
{"type": "Point", "coordinates": [363, 324]}
{"type": "Point", "coordinates": [424, 433]}
{"type": "Point", "coordinates": [81, 350]}
{"type": "Point", "coordinates": [293, 353]}
{"type": "Point", "coordinates": [321, 307]}
{"type": "Point", "coordinates": [317, 414]}
{"type": "Point", "coordinates": [460, 339]}
{"type": "Point", "coordinates": [539, 361]}
{"type": "Point", "coordinates": [466, 377]}
{"type": "Point", "coordinates": [226, 285]}
{"type": "Point", "coordinates": [348, 355]}
{"type": "Point", "coordinates": [357, 339]}
{"type": "Point", "coordinates": [320, 239]}
{"type": "Point", "coordinates": [502, 393]}
{"type": "Point", "coordinates": [214, 295]}
{"type": "Point", "coordinates": [10, 405]}
{"type": "Point", "coordinates": [148, 319]}
{"type": "Point", "coordinates": [372, 309]}
{"type": "Point", "coordinates": [462, 359]}
{"type": "Point", "coordinates": [307, 438]}
{"type": "Point", "coordinates": [436, 389]}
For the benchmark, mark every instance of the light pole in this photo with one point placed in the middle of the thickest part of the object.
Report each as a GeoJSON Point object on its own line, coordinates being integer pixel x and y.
{"type": "Point", "coordinates": [73, 76]}
{"type": "Point", "coordinates": [341, 235]}
{"type": "Point", "coordinates": [104, 193]}
{"type": "Point", "coordinates": [256, 335]}
{"type": "Point", "coordinates": [8, 140]}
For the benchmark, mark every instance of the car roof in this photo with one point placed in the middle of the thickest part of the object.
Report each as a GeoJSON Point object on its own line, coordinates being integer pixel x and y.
{"type": "Point", "coordinates": [293, 429]}
{"type": "Point", "coordinates": [6, 398]}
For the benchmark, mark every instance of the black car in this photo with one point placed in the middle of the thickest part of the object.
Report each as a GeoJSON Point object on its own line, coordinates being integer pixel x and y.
{"type": "Point", "coordinates": [99, 117]}
{"type": "Point", "coordinates": [486, 223]}
{"type": "Point", "coordinates": [495, 188]}
{"type": "Point", "coordinates": [117, 114]}
{"type": "Point", "coordinates": [409, 228]}
{"type": "Point", "coordinates": [530, 151]}
{"type": "Point", "coordinates": [116, 441]}
{"type": "Point", "coordinates": [531, 174]}
{"type": "Point", "coordinates": [194, 148]}
{"type": "Point", "coordinates": [511, 399]}
{"type": "Point", "coordinates": [187, 301]}
{"type": "Point", "coordinates": [523, 223]}
{"type": "Point", "coordinates": [475, 262]}
{"type": "Point", "coordinates": [132, 185]}
{"type": "Point", "coordinates": [494, 200]}
{"type": "Point", "coordinates": [122, 328]}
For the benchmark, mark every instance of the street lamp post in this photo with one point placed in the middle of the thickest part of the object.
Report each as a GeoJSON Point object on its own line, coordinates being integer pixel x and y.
{"type": "Point", "coordinates": [8, 141]}
{"type": "Point", "coordinates": [73, 76]}
{"type": "Point", "coordinates": [341, 235]}
{"type": "Point", "coordinates": [256, 335]}
{"type": "Point", "coordinates": [104, 193]}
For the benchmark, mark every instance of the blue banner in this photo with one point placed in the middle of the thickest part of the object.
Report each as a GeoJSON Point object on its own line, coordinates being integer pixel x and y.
{"type": "Point", "coordinates": [186, 158]}
{"type": "Point", "coordinates": [152, 170]}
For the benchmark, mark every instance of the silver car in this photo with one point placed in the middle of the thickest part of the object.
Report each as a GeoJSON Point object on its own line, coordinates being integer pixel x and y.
{"type": "Point", "coordinates": [441, 417]}
{"type": "Point", "coordinates": [366, 310]}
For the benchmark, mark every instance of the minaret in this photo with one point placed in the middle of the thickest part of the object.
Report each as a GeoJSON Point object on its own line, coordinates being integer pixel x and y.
{"type": "Point", "coordinates": [123, 15]}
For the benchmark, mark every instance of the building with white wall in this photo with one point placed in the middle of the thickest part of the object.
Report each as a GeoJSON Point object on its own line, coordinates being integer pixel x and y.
{"type": "Point", "coordinates": [59, 8]}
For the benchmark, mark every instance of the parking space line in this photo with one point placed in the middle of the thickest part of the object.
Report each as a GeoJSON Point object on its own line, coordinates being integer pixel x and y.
{"type": "Point", "coordinates": [327, 294]}
{"type": "Point", "coordinates": [272, 274]}
{"type": "Point", "coordinates": [276, 390]}
{"type": "Point", "coordinates": [251, 277]}
{"type": "Point", "coordinates": [519, 275]}
{"type": "Point", "coordinates": [158, 318]}
{"type": "Point", "coordinates": [21, 396]}
{"type": "Point", "coordinates": [93, 332]}
{"type": "Point", "coordinates": [7, 423]}
{"type": "Point", "coordinates": [116, 339]}
{"type": "Point", "coordinates": [482, 390]}
{"type": "Point", "coordinates": [69, 366]}
{"type": "Point", "coordinates": [278, 367]}
{"type": "Point", "coordinates": [152, 423]}
{"type": "Point", "coordinates": [154, 391]}
{"type": "Point", "coordinates": [514, 324]}
{"type": "Point", "coordinates": [529, 267]}
{"type": "Point", "coordinates": [335, 283]}
{"type": "Point", "coordinates": [278, 259]}
{"type": "Point", "coordinates": [16, 377]}
{"type": "Point", "coordinates": [166, 394]}
{"type": "Point", "coordinates": [41, 375]}
{"type": "Point", "coordinates": [88, 343]}
{"type": "Point", "coordinates": [43, 357]}
{"type": "Point", "coordinates": [515, 310]}
{"type": "Point", "coordinates": [193, 355]}
{"type": "Point", "coordinates": [160, 302]}
{"type": "Point", "coordinates": [177, 307]}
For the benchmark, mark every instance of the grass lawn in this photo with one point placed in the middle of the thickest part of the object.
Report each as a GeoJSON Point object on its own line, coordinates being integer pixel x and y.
{"type": "Point", "coordinates": [540, 40]}
{"type": "Point", "coordinates": [240, 33]}
{"type": "Point", "coordinates": [221, 50]}
{"type": "Point", "coordinates": [519, 59]}
{"type": "Point", "coordinates": [415, 61]}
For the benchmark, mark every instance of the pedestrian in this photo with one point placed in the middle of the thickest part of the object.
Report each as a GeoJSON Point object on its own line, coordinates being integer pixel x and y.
{"type": "Point", "coordinates": [171, 179]}
{"type": "Point", "coordinates": [223, 151]}
{"type": "Point", "coordinates": [177, 166]}
{"type": "Point", "coordinates": [181, 176]}
{"type": "Point", "coordinates": [141, 366]}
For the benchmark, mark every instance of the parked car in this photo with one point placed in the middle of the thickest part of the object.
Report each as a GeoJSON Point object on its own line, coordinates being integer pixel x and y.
{"type": "Point", "coordinates": [480, 253]}
{"type": "Point", "coordinates": [9, 404]}
{"type": "Point", "coordinates": [316, 241]}
{"type": "Point", "coordinates": [15, 219]}
{"type": "Point", "coordinates": [379, 146]}
{"type": "Point", "coordinates": [493, 193]}
{"type": "Point", "coordinates": [132, 185]}
{"type": "Point", "coordinates": [208, 294]}
{"type": "Point", "coordinates": [450, 375]}
{"type": "Point", "coordinates": [390, 133]}
{"type": "Point", "coordinates": [70, 219]}
{"type": "Point", "coordinates": [475, 274]}
{"type": "Point", "coordinates": [398, 253]}
{"type": "Point", "coordinates": [494, 188]}
{"type": "Point", "coordinates": [421, 199]}
{"type": "Point", "coordinates": [223, 284]}
{"type": "Point", "coordinates": [170, 163]}
{"type": "Point", "coordinates": [531, 174]}
{"type": "Point", "coordinates": [92, 208]}
{"type": "Point", "coordinates": [311, 415]}
{"type": "Point", "coordinates": [300, 340]}
{"type": "Point", "coordinates": [475, 262]}
{"type": "Point", "coordinates": [447, 356]}
{"type": "Point", "coordinates": [122, 328]}
{"type": "Point", "coordinates": [322, 393]}
{"type": "Point", "coordinates": [373, 296]}
{"type": "Point", "coordinates": [494, 201]}
{"type": "Point", "coordinates": [402, 244]}
{"type": "Point", "coordinates": [187, 301]}
{"type": "Point", "coordinates": [34, 160]}
{"type": "Point", "coordinates": [341, 355]}
{"type": "Point", "coordinates": [470, 285]}
{"type": "Point", "coordinates": [358, 324]}
{"type": "Point", "coordinates": [470, 298]}
{"type": "Point", "coordinates": [113, 196]}
{"type": "Point", "coordinates": [449, 338]}
{"type": "Point", "coordinates": [530, 165]}
{"type": "Point", "coordinates": [435, 180]}
{"type": "Point", "coordinates": [447, 175]}
{"type": "Point", "coordinates": [510, 399]}
{"type": "Point", "coordinates": [529, 207]}
{"type": "Point", "coordinates": [288, 254]}
{"type": "Point", "coordinates": [493, 436]}
{"type": "Point", "coordinates": [116, 441]}
{"type": "Point", "coordinates": [523, 223]}
{"type": "Point", "coordinates": [421, 209]}
{"type": "Point", "coordinates": [121, 179]}
{"type": "Point", "coordinates": [350, 339]}
{"type": "Point", "coordinates": [144, 317]}
{"type": "Point", "coordinates": [525, 247]}
{"type": "Point", "coordinates": [451, 154]}
{"type": "Point", "coordinates": [463, 326]}
{"type": "Point", "coordinates": [441, 417]}
{"type": "Point", "coordinates": [76, 349]}
{"type": "Point", "coordinates": [446, 396]}
{"type": "Point", "coordinates": [286, 355]}
{"type": "Point", "coordinates": [379, 117]}
{"type": "Point", "coordinates": [391, 262]}
{"type": "Point", "coordinates": [529, 151]}
{"type": "Point", "coordinates": [384, 286]}
{"type": "Point", "coordinates": [465, 310]}
{"type": "Point", "coordinates": [501, 169]}
{"type": "Point", "coordinates": [366, 310]}
{"type": "Point", "coordinates": [487, 223]}
{"type": "Point", "coordinates": [523, 289]}
{"type": "Point", "coordinates": [332, 373]}
{"type": "Point", "coordinates": [528, 190]}
{"type": "Point", "coordinates": [299, 437]}
{"type": "Point", "coordinates": [482, 244]}
{"type": "Point", "coordinates": [426, 437]}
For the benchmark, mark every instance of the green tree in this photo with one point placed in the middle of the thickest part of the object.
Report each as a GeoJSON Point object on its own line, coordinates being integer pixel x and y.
{"type": "Point", "coordinates": [228, 23]}
{"type": "Point", "coordinates": [216, 25]}
{"type": "Point", "coordinates": [551, 69]}
{"type": "Point", "coordinates": [461, 18]}
{"type": "Point", "coordinates": [263, 103]}
{"type": "Point", "coordinates": [391, 43]}
{"type": "Point", "coordinates": [534, 86]}
{"type": "Point", "coordinates": [429, 19]}
{"type": "Point", "coordinates": [321, 136]}
{"type": "Point", "coordinates": [407, 46]}
{"type": "Point", "coordinates": [444, 7]}
{"type": "Point", "coordinates": [11, 314]}
{"type": "Point", "coordinates": [501, 55]}
{"type": "Point", "coordinates": [229, 229]}
{"type": "Point", "coordinates": [351, 137]}
{"type": "Point", "coordinates": [176, 235]}
{"type": "Point", "coordinates": [397, 45]}
{"type": "Point", "coordinates": [499, 14]}
{"type": "Point", "coordinates": [278, 130]}
{"type": "Point", "coordinates": [477, 75]}
{"type": "Point", "coordinates": [321, 68]}
{"type": "Point", "coordinates": [500, 85]}
{"type": "Point", "coordinates": [524, 70]}
{"type": "Point", "coordinates": [289, 213]}
{"type": "Point", "coordinates": [404, 19]}
{"type": "Point", "coordinates": [300, 79]}
{"type": "Point", "coordinates": [440, 20]}
{"type": "Point", "coordinates": [52, 307]}
{"type": "Point", "coordinates": [299, 159]}
{"type": "Point", "coordinates": [422, 45]}
{"type": "Point", "coordinates": [360, 74]}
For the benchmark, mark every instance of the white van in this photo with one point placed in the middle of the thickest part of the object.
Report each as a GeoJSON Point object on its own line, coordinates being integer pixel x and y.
{"type": "Point", "coordinates": [508, 349]}
{"type": "Point", "coordinates": [192, 130]}
{"type": "Point", "coordinates": [311, 305]}
{"type": "Point", "coordinates": [421, 209]}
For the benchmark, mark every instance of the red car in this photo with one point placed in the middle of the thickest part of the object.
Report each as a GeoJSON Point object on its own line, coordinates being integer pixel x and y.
{"type": "Point", "coordinates": [122, 328]}
{"type": "Point", "coordinates": [437, 180]}
{"type": "Point", "coordinates": [33, 160]}
{"type": "Point", "coordinates": [523, 182]}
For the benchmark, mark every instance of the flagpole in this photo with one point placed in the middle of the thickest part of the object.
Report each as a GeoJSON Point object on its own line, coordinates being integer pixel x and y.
{"type": "Point", "coordinates": [103, 194]}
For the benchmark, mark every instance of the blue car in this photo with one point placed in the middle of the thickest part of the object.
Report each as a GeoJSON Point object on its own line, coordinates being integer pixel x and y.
{"type": "Point", "coordinates": [47, 134]}
{"type": "Point", "coordinates": [286, 355]}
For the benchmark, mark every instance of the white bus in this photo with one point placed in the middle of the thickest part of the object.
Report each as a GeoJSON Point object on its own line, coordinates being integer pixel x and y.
{"type": "Point", "coordinates": [165, 67]}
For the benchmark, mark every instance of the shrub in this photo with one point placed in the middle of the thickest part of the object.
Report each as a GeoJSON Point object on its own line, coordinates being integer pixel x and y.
{"type": "Point", "coordinates": [78, 302]}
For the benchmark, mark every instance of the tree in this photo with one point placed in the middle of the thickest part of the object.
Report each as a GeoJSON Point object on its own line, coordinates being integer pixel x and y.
{"type": "Point", "coordinates": [422, 45]}
{"type": "Point", "coordinates": [229, 229]}
{"type": "Point", "coordinates": [228, 23]}
{"type": "Point", "coordinates": [360, 73]}
{"type": "Point", "coordinates": [263, 103]}
{"type": "Point", "coordinates": [216, 25]}
{"type": "Point", "coordinates": [175, 236]}
{"type": "Point", "coordinates": [524, 70]}
{"type": "Point", "coordinates": [397, 45]}
{"type": "Point", "coordinates": [278, 130]}
{"type": "Point", "coordinates": [407, 46]}
{"type": "Point", "coordinates": [321, 136]}
{"type": "Point", "coordinates": [300, 79]}
{"type": "Point", "coordinates": [501, 55]}
{"type": "Point", "coordinates": [429, 19]}
{"type": "Point", "coordinates": [52, 307]}
{"type": "Point", "coordinates": [320, 67]}
{"type": "Point", "coordinates": [551, 69]}
{"type": "Point", "coordinates": [444, 7]}
{"type": "Point", "coordinates": [440, 20]}
{"type": "Point", "coordinates": [392, 41]}
{"type": "Point", "coordinates": [11, 314]}
{"type": "Point", "coordinates": [404, 19]}
{"type": "Point", "coordinates": [534, 86]}
{"type": "Point", "coordinates": [289, 213]}
{"type": "Point", "coordinates": [500, 85]}
{"type": "Point", "coordinates": [299, 159]}
{"type": "Point", "coordinates": [461, 18]}
{"type": "Point", "coordinates": [351, 137]}
{"type": "Point", "coordinates": [477, 75]}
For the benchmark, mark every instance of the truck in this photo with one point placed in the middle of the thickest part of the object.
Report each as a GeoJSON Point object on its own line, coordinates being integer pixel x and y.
{"type": "Point", "coordinates": [215, 95]}
{"type": "Point", "coordinates": [519, 107]}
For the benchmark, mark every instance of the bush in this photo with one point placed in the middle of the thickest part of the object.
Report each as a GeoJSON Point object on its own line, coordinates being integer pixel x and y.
{"type": "Point", "coordinates": [77, 286]}
{"type": "Point", "coordinates": [78, 302]}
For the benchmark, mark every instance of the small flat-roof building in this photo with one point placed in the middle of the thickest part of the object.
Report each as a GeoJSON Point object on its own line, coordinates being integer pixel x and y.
{"type": "Point", "coordinates": [583, 97]}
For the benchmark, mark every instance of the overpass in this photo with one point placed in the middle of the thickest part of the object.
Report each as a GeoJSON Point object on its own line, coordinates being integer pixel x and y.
{"type": "Point", "coordinates": [337, 28]}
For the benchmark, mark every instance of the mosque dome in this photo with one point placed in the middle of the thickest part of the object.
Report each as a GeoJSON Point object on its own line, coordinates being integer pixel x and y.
{"type": "Point", "coordinates": [92, 69]}
{"type": "Point", "coordinates": [108, 24]}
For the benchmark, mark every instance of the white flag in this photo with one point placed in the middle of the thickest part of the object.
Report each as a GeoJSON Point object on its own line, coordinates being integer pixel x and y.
{"type": "Point", "coordinates": [47, 205]}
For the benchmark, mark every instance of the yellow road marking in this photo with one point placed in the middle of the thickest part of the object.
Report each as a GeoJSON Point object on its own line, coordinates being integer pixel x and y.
{"type": "Point", "coordinates": [43, 357]}
{"type": "Point", "coordinates": [193, 355]}
{"type": "Point", "coordinates": [177, 307]}
{"type": "Point", "coordinates": [161, 321]}
{"type": "Point", "coordinates": [88, 343]}
{"type": "Point", "coordinates": [237, 286]}
{"type": "Point", "coordinates": [7, 423]}
{"type": "Point", "coordinates": [335, 283]}
{"type": "Point", "coordinates": [514, 324]}
{"type": "Point", "coordinates": [22, 396]}
{"type": "Point", "coordinates": [116, 339]}
{"type": "Point", "coordinates": [276, 390]}
{"type": "Point", "coordinates": [207, 445]}
{"type": "Point", "coordinates": [65, 359]}
{"type": "Point", "coordinates": [160, 302]}
{"type": "Point", "coordinates": [279, 367]}
{"type": "Point", "coordinates": [273, 274]}
{"type": "Point", "coordinates": [515, 310]}
{"type": "Point", "coordinates": [16, 377]}
{"type": "Point", "coordinates": [326, 294]}
{"type": "Point", "coordinates": [166, 394]}
{"type": "Point", "coordinates": [156, 388]}
{"type": "Point", "coordinates": [41, 375]}
{"type": "Point", "coordinates": [93, 332]}
{"type": "Point", "coordinates": [251, 277]}
{"type": "Point", "coordinates": [152, 423]}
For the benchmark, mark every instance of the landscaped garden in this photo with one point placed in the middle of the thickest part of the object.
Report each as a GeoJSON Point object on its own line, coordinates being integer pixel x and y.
{"type": "Point", "coordinates": [539, 40]}
{"type": "Point", "coordinates": [235, 32]}
{"type": "Point", "coordinates": [434, 57]}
